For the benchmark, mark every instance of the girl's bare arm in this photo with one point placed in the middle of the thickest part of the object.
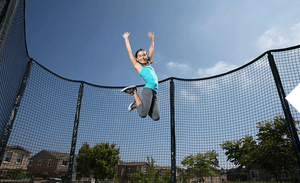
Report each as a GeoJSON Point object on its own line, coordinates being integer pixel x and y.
{"type": "Point", "coordinates": [135, 64]}
{"type": "Point", "coordinates": [151, 48]}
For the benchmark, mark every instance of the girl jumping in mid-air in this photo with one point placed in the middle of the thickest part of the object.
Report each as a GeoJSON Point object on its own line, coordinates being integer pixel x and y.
{"type": "Point", "coordinates": [141, 62]}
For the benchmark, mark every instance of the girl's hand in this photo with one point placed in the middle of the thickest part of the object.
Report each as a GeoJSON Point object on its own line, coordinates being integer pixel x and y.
{"type": "Point", "coordinates": [126, 35]}
{"type": "Point", "coordinates": [151, 35]}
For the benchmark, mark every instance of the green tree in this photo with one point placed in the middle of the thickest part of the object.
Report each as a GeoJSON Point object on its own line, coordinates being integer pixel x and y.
{"type": "Point", "coordinates": [182, 176]}
{"type": "Point", "coordinates": [138, 177]}
{"type": "Point", "coordinates": [16, 174]}
{"type": "Point", "coordinates": [201, 164]}
{"type": "Point", "coordinates": [167, 175]}
{"type": "Point", "coordinates": [100, 161]}
{"type": "Point", "coordinates": [272, 150]}
{"type": "Point", "coordinates": [150, 176]}
{"type": "Point", "coordinates": [241, 152]}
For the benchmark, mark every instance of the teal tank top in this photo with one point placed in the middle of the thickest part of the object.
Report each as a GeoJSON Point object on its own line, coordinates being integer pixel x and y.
{"type": "Point", "coordinates": [148, 74]}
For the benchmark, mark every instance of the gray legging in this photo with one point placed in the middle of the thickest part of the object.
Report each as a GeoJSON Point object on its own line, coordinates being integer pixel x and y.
{"type": "Point", "coordinates": [149, 104]}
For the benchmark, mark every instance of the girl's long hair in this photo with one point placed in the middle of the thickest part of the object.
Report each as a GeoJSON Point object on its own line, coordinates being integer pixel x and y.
{"type": "Point", "coordinates": [141, 49]}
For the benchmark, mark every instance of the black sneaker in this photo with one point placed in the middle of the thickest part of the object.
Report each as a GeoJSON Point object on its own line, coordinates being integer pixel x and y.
{"type": "Point", "coordinates": [132, 106]}
{"type": "Point", "coordinates": [129, 89]}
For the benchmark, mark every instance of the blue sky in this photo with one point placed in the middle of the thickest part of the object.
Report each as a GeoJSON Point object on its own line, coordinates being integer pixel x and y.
{"type": "Point", "coordinates": [82, 39]}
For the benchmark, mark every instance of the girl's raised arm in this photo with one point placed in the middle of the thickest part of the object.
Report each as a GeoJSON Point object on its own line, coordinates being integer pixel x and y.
{"type": "Point", "coordinates": [151, 48]}
{"type": "Point", "coordinates": [135, 64]}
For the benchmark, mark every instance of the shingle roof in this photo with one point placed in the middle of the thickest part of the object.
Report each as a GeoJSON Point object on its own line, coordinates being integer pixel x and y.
{"type": "Point", "coordinates": [162, 167]}
{"type": "Point", "coordinates": [132, 163]}
{"type": "Point", "coordinates": [16, 147]}
{"type": "Point", "coordinates": [62, 156]}
{"type": "Point", "coordinates": [57, 155]}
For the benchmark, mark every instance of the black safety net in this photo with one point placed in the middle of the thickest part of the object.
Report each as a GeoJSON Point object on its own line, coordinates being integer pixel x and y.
{"type": "Point", "coordinates": [58, 116]}
{"type": "Point", "coordinates": [13, 62]}
{"type": "Point", "coordinates": [288, 65]}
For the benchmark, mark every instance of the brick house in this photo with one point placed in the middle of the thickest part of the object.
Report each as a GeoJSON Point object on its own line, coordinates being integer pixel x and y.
{"type": "Point", "coordinates": [219, 177]}
{"type": "Point", "coordinates": [14, 157]}
{"type": "Point", "coordinates": [51, 163]}
{"type": "Point", "coordinates": [126, 169]}
{"type": "Point", "coordinates": [256, 174]}
{"type": "Point", "coordinates": [162, 170]}
{"type": "Point", "coordinates": [262, 175]}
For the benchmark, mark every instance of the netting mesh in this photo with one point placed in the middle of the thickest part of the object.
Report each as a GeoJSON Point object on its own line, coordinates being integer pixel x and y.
{"type": "Point", "coordinates": [288, 65]}
{"type": "Point", "coordinates": [104, 118]}
{"type": "Point", "coordinates": [46, 116]}
{"type": "Point", "coordinates": [12, 66]}
{"type": "Point", "coordinates": [207, 112]}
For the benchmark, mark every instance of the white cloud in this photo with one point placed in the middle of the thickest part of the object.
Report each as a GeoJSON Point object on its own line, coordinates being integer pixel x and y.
{"type": "Point", "coordinates": [279, 37]}
{"type": "Point", "coordinates": [184, 70]}
{"type": "Point", "coordinates": [207, 86]}
{"type": "Point", "coordinates": [218, 68]}
{"type": "Point", "coordinates": [178, 66]}
{"type": "Point", "coordinates": [187, 95]}
{"type": "Point", "coordinates": [180, 70]}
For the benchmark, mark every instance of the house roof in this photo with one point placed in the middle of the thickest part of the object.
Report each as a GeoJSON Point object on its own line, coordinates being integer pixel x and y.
{"type": "Point", "coordinates": [62, 156]}
{"type": "Point", "coordinates": [132, 163]}
{"type": "Point", "coordinates": [57, 155]}
{"type": "Point", "coordinates": [162, 167]}
{"type": "Point", "coordinates": [16, 147]}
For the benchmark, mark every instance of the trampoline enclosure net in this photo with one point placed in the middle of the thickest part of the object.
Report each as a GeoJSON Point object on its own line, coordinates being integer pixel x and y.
{"type": "Point", "coordinates": [207, 112]}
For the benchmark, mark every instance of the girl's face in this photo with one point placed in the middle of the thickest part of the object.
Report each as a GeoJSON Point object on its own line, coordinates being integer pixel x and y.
{"type": "Point", "coordinates": [142, 57]}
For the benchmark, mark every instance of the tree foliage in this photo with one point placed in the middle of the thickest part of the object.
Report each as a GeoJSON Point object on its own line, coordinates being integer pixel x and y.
{"type": "Point", "coordinates": [100, 161]}
{"type": "Point", "coordinates": [157, 177]}
{"type": "Point", "coordinates": [241, 152]}
{"type": "Point", "coordinates": [16, 174]}
{"type": "Point", "coordinates": [272, 150]}
{"type": "Point", "coordinates": [182, 176]}
{"type": "Point", "coordinates": [201, 164]}
{"type": "Point", "coordinates": [150, 176]}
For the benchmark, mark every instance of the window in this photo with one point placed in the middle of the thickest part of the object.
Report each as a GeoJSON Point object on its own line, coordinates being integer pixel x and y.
{"type": "Point", "coordinates": [144, 169]}
{"type": "Point", "coordinates": [19, 158]}
{"type": "Point", "coordinates": [129, 168]}
{"type": "Point", "coordinates": [138, 168]}
{"type": "Point", "coordinates": [8, 157]}
{"type": "Point", "coordinates": [40, 163]}
{"type": "Point", "coordinates": [3, 173]}
{"type": "Point", "coordinates": [49, 162]}
{"type": "Point", "coordinates": [29, 162]}
{"type": "Point", "coordinates": [75, 164]}
{"type": "Point", "coordinates": [124, 168]}
{"type": "Point", "coordinates": [254, 174]}
{"type": "Point", "coordinates": [64, 163]}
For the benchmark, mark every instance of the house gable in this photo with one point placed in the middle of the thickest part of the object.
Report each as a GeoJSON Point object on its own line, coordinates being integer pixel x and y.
{"type": "Point", "coordinates": [14, 157]}
{"type": "Point", "coordinates": [54, 164]}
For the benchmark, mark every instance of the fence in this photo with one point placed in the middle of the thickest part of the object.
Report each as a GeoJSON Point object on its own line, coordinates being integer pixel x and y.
{"type": "Point", "coordinates": [45, 119]}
